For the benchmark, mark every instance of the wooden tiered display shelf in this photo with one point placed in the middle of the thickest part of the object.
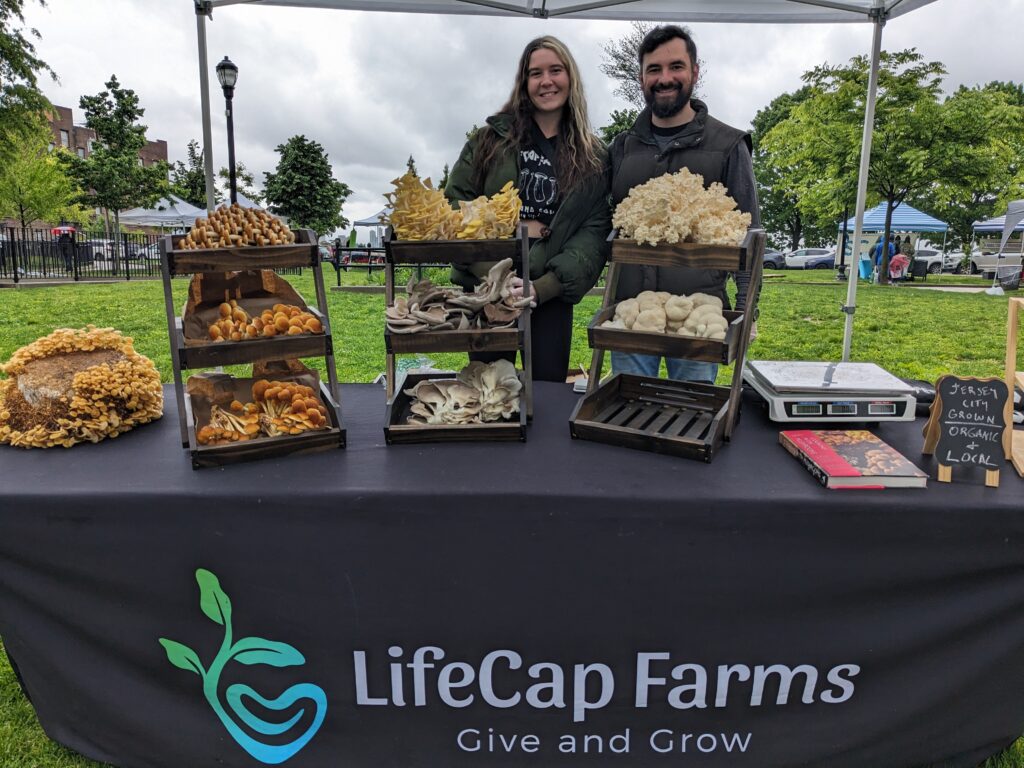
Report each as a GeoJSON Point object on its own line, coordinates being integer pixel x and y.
{"type": "Point", "coordinates": [302, 253]}
{"type": "Point", "coordinates": [517, 338]}
{"type": "Point", "coordinates": [679, 418]}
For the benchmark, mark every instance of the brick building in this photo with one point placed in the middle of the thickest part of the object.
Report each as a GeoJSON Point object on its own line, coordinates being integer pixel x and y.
{"type": "Point", "coordinates": [79, 139]}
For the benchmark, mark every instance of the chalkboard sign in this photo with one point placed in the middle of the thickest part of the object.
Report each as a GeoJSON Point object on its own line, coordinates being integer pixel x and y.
{"type": "Point", "coordinates": [968, 424]}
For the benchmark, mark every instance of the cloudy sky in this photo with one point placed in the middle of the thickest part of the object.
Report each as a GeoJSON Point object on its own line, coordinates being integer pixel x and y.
{"type": "Point", "coordinates": [374, 88]}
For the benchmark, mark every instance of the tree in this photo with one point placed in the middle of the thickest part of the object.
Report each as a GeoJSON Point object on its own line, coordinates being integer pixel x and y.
{"type": "Point", "coordinates": [113, 172]}
{"type": "Point", "coordinates": [621, 63]}
{"type": "Point", "coordinates": [915, 147]}
{"type": "Point", "coordinates": [21, 101]}
{"type": "Point", "coordinates": [990, 120]}
{"type": "Point", "coordinates": [622, 120]}
{"type": "Point", "coordinates": [188, 179]}
{"type": "Point", "coordinates": [303, 188]}
{"type": "Point", "coordinates": [781, 215]}
{"type": "Point", "coordinates": [245, 183]}
{"type": "Point", "coordinates": [444, 178]}
{"type": "Point", "coordinates": [34, 185]}
{"type": "Point", "coordinates": [410, 164]}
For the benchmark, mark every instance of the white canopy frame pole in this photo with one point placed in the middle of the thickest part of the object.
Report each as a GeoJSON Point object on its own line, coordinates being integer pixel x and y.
{"type": "Point", "coordinates": [204, 8]}
{"type": "Point", "coordinates": [878, 19]}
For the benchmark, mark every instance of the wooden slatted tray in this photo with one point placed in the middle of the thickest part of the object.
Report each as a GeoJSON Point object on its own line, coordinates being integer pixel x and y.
{"type": "Point", "coordinates": [397, 430]}
{"type": "Point", "coordinates": [302, 253]}
{"type": "Point", "coordinates": [680, 418]}
{"type": "Point", "coordinates": [209, 355]}
{"type": "Point", "coordinates": [666, 344]}
{"type": "Point", "coordinates": [692, 255]}
{"type": "Point", "coordinates": [474, 340]}
{"type": "Point", "coordinates": [266, 447]}
{"type": "Point", "coordinates": [453, 251]}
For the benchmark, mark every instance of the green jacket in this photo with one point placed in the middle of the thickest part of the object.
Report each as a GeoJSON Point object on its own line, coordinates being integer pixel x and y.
{"type": "Point", "coordinates": [566, 263]}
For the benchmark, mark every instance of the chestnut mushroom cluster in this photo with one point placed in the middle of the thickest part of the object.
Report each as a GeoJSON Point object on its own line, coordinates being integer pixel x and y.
{"type": "Point", "coordinates": [235, 324]}
{"type": "Point", "coordinates": [429, 307]}
{"type": "Point", "coordinates": [277, 408]}
{"type": "Point", "coordinates": [74, 386]}
{"type": "Point", "coordinates": [232, 226]}
{"type": "Point", "coordinates": [480, 393]}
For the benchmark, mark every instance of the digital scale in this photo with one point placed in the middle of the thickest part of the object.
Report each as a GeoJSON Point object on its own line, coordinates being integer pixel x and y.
{"type": "Point", "coordinates": [811, 391]}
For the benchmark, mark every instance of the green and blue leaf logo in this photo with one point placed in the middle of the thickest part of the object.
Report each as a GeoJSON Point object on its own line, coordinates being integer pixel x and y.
{"type": "Point", "coordinates": [215, 604]}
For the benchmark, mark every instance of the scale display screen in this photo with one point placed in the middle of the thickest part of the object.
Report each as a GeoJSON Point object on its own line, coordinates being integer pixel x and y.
{"type": "Point", "coordinates": [806, 409]}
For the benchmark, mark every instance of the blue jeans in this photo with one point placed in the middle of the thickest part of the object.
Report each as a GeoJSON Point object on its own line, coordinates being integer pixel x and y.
{"type": "Point", "coordinates": [649, 365]}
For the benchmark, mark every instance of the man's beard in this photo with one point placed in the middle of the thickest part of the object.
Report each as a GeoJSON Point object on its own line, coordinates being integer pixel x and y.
{"type": "Point", "coordinates": [666, 109]}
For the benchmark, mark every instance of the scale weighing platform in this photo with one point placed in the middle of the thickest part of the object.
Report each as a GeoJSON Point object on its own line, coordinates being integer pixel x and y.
{"type": "Point", "coordinates": [811, 391]}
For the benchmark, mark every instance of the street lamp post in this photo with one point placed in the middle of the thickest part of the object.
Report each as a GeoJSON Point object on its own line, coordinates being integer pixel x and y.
{"type": "Point", "coordinates": [227, 74]}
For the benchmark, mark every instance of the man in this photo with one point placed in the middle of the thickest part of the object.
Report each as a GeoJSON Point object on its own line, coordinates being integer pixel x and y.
{"type": "Point", "coordinates": [675, 131]}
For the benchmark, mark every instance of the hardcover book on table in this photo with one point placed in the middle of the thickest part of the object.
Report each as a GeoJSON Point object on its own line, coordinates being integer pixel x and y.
{"type": "Point", "coordinates": [851, 458]}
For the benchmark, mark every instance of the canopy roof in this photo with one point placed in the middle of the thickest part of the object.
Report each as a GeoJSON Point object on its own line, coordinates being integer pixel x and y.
{"type": "Point", "coordinates": [995, 225]}
{"type": "Point", "coordinates": [371, 221]}
{"type": "Point", "coordinates": [904, 219]}
{"type": "Point", "coordinates": [169, 211]}
{"type": "Point", "coordinates": [679, 11]}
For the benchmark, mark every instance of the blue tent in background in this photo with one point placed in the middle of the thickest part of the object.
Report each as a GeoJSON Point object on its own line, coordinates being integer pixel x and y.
{"type": "Point", "coordinates": [904, 219]}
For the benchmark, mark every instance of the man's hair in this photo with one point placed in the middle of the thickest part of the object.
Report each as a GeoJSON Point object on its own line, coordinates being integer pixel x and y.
{"type": "Point", "coordinates": [578, 148]}
{"type": "Point", "coordinates": [661, 35]}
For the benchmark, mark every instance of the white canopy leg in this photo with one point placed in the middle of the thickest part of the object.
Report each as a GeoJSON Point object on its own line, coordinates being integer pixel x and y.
{"type": "Point", "coordinates": [878, 19]}
{"type": "Point", "coordinates": [204, 8]}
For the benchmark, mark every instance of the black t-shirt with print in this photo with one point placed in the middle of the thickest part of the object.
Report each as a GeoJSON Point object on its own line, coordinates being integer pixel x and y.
{"type": "Point", "coordinates": [538, 177]}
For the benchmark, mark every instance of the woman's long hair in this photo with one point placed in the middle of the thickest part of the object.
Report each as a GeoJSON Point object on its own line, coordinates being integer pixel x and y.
{"type": "Point", "coordinates": [578, 148]}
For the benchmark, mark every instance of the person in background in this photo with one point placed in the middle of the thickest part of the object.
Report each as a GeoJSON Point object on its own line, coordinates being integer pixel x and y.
{"type": "Point", "coordinates": [541, 141]}
{"type": "Point", "coordinates": [675, 131]}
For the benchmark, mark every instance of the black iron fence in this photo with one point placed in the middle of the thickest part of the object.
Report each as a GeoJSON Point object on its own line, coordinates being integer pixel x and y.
{"type": "Point", "coordinates": [28, 255]}
{"type": "Point", "coordinates": [38, 254]}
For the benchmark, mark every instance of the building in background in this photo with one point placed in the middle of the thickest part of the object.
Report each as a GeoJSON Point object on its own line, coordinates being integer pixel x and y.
{"type": "Point", "coordinates": [79, 139]}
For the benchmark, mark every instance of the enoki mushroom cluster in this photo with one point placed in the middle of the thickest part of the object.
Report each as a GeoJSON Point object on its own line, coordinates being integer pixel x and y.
{"type": "Point", "coordinates": [74, 386]}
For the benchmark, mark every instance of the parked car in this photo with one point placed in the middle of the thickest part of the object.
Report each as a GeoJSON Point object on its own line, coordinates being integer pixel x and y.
{"type": "Point", "coordinates": [811, 258]}
{"type": "Point", "coordinates": [774, 259]}
{"type": "Point", "coordinates": [363, 257]}
{"type": "Point", "coordinates": [987, 263]}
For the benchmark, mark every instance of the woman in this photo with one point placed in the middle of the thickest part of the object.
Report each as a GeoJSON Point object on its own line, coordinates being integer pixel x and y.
{"type": "Point", "coordinates": [541, 141]}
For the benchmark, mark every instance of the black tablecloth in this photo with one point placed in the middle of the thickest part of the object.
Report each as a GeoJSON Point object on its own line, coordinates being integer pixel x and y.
{"type": "Point", "coordinates": [665, 611]}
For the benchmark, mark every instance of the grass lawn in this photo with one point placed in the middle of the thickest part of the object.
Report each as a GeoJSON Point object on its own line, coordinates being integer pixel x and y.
{"type": "Point", "coordinates": [913, 333]}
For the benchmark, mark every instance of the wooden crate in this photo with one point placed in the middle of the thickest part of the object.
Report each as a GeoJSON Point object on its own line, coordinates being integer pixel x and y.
{"type": "Point", "coordinates": [266, 447]}
{"type": "Point", "coordinates": [302, 253]}
{"type": "Point", "coordinates": [450, 251]}
{"type": "Point", "coordinates": [680, 418]}
{"type": "Point", "coordinates": [667, 344]}
{"type": "Point", "coordinates": [397, 430]}
{"type": "Point", "coordinates": [213, 354]}
{"type": "Point", "coordinates": [689, 255]}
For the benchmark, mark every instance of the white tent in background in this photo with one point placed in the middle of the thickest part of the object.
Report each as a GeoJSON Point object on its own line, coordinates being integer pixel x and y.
{"type": "Point", "coordinates": [170, 211]}
{"type": "Point", "coordinates": [875, 12]}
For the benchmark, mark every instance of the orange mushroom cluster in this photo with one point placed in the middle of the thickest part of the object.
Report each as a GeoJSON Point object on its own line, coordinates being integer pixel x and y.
{"type": "Point", "coordinates": [235, 324]}
{"type": "Point", "coordinates": [278, 408]}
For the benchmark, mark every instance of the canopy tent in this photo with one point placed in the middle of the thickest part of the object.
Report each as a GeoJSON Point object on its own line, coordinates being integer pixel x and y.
{"type": "Point", "coordinates": [169, 211]}
{"type": "Point", "coordinates": [371, 221]}
{"type": "Point", "coordinates": [995, 225]}
{"type": "Point", "coordinates": [746, 11]}
{"type": "Point", "coordinates": [904, 219]}
{"type": "Point", "coordinates": [875, 12]}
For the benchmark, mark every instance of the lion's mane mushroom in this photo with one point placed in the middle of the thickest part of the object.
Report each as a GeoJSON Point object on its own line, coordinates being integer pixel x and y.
{"type": "Point", "coordinates": [652, 320]}
{"type": "Point", "coordinates": [77, 385]}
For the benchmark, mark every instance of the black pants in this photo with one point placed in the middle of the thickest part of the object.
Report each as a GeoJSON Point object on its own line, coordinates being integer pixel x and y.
{"type": "Point", "coordinates": [551, 338]}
